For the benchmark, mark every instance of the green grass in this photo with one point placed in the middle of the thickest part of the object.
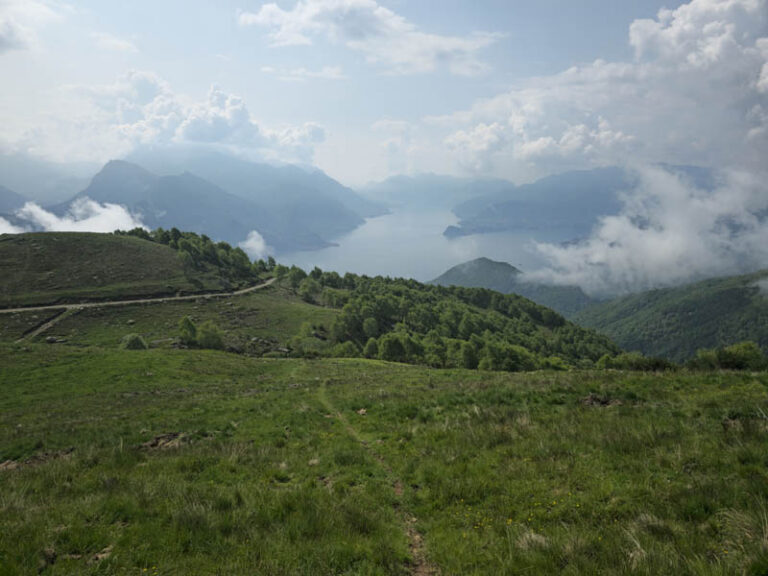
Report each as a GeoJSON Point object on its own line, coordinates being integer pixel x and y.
{"type": "Point", "coordinates": [504, 473]}
{"type": "Point", "coordinates": [272, 315]}
{"type": "Point", "coordinates": [51, 268]}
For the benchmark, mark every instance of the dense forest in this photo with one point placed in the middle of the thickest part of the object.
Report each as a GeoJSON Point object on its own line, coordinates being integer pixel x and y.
{"type": "Point", "coordinates": [406, 321]}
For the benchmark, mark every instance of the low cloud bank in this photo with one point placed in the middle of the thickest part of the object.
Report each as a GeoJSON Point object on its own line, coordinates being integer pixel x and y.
{"type": "Point", "coordinates": [255, 246]}
{"type": "Point", "coordinates": [8, 228]}
{"type": "Point", "coordinates": [669, 232]}
{"type": "Point", "coordinates": [85, 215]}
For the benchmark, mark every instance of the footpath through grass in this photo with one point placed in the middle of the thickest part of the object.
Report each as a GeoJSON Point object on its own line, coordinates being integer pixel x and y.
{"type": "Point", "coordinates": [194, 462]}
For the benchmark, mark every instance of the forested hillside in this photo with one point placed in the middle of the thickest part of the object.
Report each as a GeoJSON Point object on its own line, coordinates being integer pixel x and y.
{"type": "Point", "coordinates": [676, 322]}
{"type": "Point", "coordinates": [406, 321]}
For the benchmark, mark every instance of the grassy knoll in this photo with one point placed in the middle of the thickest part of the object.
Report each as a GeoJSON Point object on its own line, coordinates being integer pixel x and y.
{"type": "Point", "coordinates": [288, 466]}
{"type": "Point", "coordinates": [50, 268]}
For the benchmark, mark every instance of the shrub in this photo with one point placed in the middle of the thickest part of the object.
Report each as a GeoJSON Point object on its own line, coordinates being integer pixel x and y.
{"type": "Point", "coordinates": [209, 336]}
{"type": "Point", "coordinates": [133, 342]}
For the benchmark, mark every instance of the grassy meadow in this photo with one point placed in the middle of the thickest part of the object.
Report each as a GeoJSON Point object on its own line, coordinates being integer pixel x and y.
{"type": "Point", "coordinates": [169, 461]}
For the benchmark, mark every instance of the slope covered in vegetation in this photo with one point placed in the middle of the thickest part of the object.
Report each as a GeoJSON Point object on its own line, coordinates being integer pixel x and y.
{"type": "Point", "coordinates": [676, 322]}
{"type": "Point", "coordinates": [199, 462]}
{"type": "Point", "coordinates": [406, 321]}
{"type": "Point", "coordinates": [56, 267]}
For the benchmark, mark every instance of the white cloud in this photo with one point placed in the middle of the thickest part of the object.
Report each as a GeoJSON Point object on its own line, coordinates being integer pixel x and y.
{"type": "Point", "coordinates": [255, 246]}
{"type": "Point", "coordinates": [696, 92]}
{"type": "Point", "coordinates": [100, 122]}
{"type": "Point", "coordinates": [384, 37]}
{"type": "Point", "coordinates": [20, 20]}
{"type": "Point", "coordinates": [8, 228]}
{"type": "Point", "coordinates": [301, 74]}
{"type": "Point", "coordinates": [84, 215]}
{"type": "Point", "coordinates": [669, 232]}
{"type": "Point", "coordinates": [475, 147]}
{"type": "Point", "coordinates": [109, 43]}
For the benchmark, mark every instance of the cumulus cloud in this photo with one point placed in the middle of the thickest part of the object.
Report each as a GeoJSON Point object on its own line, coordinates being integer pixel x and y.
{"type": "Point", "coordinates": [84, 215]}
{"type": "Point", "coordinates": [669, 231]}
{"type": "Point", "coordinates": [255, 246]}
{"type": "Point", "coordinates": [696, 92]}
{"type": "Point", "coordinates": [302, 74]}
{"type": "Point", "coordinates": [140, 108]}
{"type": "Point", "coordinates": [109, 43]}
{"type": "Point", "coordinates": [384, 37]}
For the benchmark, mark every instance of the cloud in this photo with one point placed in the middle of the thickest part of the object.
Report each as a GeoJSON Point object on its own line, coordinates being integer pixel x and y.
{"type": "Point", "coordinates": [255, 246]}
{"type": "Point", "coordinates": [301, 74]}
{"type": "Point", "coordinates": [109, 43]}
{"type": "Point", "coordinates": [384, 37]}
{"type": "Point", "coordinates": [670, 231]}
{"type": "Point", "coordinates": [99, 122]}
{"type": "Point", "coordinates": [20, 21]}
{"type": "Point", "coordinates": [475, 147]}
{"type": "Point", "coordinates": [8, 228]}
{"type": "Point", "coordinates": [84, 215]}
{"type": "Point", "coordinates": [696, 92]}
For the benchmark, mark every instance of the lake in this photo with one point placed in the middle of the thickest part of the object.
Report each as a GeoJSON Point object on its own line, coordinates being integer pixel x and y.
{"type": "Point", "coordinates": [412, 245]}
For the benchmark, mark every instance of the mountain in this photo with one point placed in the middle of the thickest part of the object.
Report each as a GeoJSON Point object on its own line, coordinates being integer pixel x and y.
{"type": "Point", "coordinates": [676, 322]}
{"type": "Point", "coordinates": [505, 278]}
{"type": "Point", "coordinates": [189, 202]}
{"type": "Point", "coordinates": [429, 192]}
{"type": "Point", "coordinates": [300, 199]}
{"type": "Point", "coordinates": [42, 181]}
{"type": "Point", "coordinates": [560, 208]}
{"type": "Point", "coordinates": [10, 201]}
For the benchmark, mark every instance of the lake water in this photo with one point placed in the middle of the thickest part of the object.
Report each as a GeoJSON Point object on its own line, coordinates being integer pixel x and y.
{"type": "Point", "coordinates": [412, 245]}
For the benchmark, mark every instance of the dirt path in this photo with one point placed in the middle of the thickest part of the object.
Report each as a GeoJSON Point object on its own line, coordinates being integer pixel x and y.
{"type": "Point", "coordinates": [68, 309]}
{"type": "Point", "coordinates": [136, 301]}
{"type": "Point", "coordinates": [419, 565]}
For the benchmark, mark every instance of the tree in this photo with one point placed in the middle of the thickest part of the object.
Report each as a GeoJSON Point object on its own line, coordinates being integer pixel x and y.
{"type": "Point", "coordinates": [371, 349]}
{"type": "Point", "coordinates": [468, 356]}
{"type": "Point", "coordinates": [391, 348]}
{"type": "Point", "coordinates": [371, 327]}
{"type": "Point", "coordinates": [187, 331]}
{"type": "Point", "coordinates": [309, 289]}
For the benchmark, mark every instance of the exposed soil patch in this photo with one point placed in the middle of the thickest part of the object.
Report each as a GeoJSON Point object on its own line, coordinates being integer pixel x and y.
{"type": "Point", "coordinates": [598, 400]}
{"type": "Point", "coordinates": [35, 460]}
{"type": "Point", "coordinates": [165, 441]}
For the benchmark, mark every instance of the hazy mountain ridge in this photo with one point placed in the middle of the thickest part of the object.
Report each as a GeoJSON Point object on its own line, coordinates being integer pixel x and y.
{"type": "Point", "coordinates": [561, 207]}
{"type": "Point", "coordinates": [10, 200]}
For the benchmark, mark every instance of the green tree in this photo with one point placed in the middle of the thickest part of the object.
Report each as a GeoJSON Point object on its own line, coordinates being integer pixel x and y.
{"type": "Point", "coordinates": [371, 349]}
{"type": "Point", "coordinates": [187, 331]}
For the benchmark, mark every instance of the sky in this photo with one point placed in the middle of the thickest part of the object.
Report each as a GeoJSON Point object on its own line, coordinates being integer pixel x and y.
{"type": "Point", "coordinates": [366, 89]}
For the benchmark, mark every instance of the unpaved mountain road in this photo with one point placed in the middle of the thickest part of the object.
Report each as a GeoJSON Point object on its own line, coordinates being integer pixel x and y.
{"type": "Point", "coordinates": [106, 303]}
{"type": "Point", "coordinates": [67, 309]}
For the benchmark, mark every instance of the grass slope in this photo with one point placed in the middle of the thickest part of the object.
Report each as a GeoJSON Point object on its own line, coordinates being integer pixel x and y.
{"type": "Point", "coordinates": [56, 267]}
{"type": "Point", "coordinates": [676, 322]}
{"type": "Point", "coordinates": [277, 470]}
